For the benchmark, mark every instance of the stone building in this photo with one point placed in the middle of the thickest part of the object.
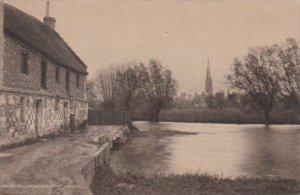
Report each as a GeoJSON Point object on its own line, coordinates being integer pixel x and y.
{"type": "Point", "coordinates": [208, 81]}
{"type": "Point", "coordinates": [42, 81]}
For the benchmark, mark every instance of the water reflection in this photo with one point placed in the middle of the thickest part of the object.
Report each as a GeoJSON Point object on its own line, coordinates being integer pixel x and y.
{"type": "Point", "coordinates": [147, 154]}
{"type": "Point", "coordinates": [272, 152]}
{"type": "Point", "coordinates": [223, 149]}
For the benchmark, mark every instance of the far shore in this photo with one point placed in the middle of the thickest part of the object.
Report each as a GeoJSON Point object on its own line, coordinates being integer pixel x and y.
{"type": "Point", "coordinates": [225, 116]}
{"type": "Point", "coordinates": [166, 121]}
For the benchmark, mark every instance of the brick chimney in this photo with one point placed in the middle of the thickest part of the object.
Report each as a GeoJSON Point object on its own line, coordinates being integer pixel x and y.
{"type": "Point", "coordinates": [1, 42]}
{"type": "Point", "coordinates": [49, 21]}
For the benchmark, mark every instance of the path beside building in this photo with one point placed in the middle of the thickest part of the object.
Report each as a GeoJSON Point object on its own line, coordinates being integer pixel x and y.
{"type": "Point", "coordinates": [51, 166]}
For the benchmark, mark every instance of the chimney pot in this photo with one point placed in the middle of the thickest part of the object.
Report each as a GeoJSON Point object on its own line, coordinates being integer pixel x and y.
{"type": "Point", "coordinates": [49, 21]}
{"type": "Point", "coordinates": [48, 9]}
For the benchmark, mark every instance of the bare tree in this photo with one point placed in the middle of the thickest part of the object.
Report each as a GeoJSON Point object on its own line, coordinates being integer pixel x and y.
{"type": "Point", "coordinates": [130, 77]}
{"type": "Point", "coordinates": [159, 86]}
{"type": "Point", "coordinates": [105, 90]}
{"type": "Point", "coordinates": [256, 75]}
{"type": "Point", "coordinates": [289, 70]}
{"type": "Point", "coordinates": [89, 91]}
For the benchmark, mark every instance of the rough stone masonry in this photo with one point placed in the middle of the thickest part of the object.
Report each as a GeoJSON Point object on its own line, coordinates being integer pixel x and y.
{"type": "Point", "coordinates": [42, 81]}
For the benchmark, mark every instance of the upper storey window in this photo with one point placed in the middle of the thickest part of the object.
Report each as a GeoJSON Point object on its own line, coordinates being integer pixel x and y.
{"type": "Point", "coordinates": [44, 75]}
{"type": "Point", "coordinates": [67, 80]}
{"type": "Point", "coordinates": [24, 62]}
{"type": "Point", "coordinates": [57, 75]}
{"type": "Point", "coordinates": [77, 80]}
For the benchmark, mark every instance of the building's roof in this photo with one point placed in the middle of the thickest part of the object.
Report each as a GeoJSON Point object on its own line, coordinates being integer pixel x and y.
{"type": "Point", "coordinates": [42, 38]}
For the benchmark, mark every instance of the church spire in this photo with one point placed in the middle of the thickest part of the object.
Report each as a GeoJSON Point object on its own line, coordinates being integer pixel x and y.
{"type": "Point", "coordinates": [208, 81]}
{"type": "Point", "coordinates": [208, 71]}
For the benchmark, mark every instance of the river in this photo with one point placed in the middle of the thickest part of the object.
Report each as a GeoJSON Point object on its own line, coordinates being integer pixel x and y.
{"type": "Point", "coordinates": [226, 150]}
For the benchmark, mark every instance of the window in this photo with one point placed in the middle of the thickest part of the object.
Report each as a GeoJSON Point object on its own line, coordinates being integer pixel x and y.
{"type": "Point", "coordinates": [22, 109]}
{"type": "Point", "coordinates": [57, 74]}
{"type": "Point", "coordinates": [67, 80]}
{"type": "Point", "coordinates": [77, 80]}
{"type": "Point", "coordinates": [24, 63]}
{"type": "Point", "coordinates": [44, 75]}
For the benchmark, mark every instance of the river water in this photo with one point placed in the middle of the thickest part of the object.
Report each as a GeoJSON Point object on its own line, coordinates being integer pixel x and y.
{"type": "Point", "coordinates": [226, 150]}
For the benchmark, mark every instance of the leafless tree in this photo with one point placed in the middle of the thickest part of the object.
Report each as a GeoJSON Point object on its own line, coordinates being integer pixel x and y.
{"type": "Point", "coordinates": [105, 89]}
{"type": "Point", "coordinates": [91, 98]}
{"type": "Point", "coordinates": [289, 69]}
{"type": "Point", "coordinates": [159, 86]}
{"type": "Point", "coordinates": [89, 91]}
{"type": "Point", "coordinates": [130, 77]}
{"type": "Point", "coordinates": [257, 75]}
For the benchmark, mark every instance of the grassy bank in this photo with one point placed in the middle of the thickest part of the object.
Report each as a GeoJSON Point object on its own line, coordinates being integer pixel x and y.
{"type": "Point", "coordinates": [108, 182]}
{"type": "Point", "coordinates": [206, 115]}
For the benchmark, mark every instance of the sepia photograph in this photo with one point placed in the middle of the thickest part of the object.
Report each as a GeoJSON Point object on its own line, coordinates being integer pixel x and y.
{"type": "Point", "coordinates": [149, 97]}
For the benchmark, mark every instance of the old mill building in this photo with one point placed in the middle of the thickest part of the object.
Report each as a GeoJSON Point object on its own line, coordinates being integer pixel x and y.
{"type": "Point", "coordinates": [42, 80]}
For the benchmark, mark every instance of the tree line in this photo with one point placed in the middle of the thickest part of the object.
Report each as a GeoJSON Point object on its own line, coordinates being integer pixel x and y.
{"type": "Point", "coordinates": [263, 78]}
{"type": "Point", "coordinates": [267, 74]}
{"type": "Point", "coordinates": [113, 92]}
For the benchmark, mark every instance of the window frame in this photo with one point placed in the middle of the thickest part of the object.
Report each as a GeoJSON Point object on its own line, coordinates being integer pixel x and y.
{"type": "Point", "coordinates": [68, 76]}
{"type": "Point", "coordinates": [25, 62]}
{"type": "Point", "coordinates": [44, 75]}
{"type": "Point", "coordinates": [77, 80]}
{"type": "Point", "coordinates": [57, 74]}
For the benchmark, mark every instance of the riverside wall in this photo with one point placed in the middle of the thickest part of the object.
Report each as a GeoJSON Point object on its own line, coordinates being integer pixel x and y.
{"type": "Point", "coordinates": [101, 156]}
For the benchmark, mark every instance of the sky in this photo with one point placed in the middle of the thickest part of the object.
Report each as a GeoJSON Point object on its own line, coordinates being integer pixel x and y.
{"type": "Point", "coordinates": [182, 34]}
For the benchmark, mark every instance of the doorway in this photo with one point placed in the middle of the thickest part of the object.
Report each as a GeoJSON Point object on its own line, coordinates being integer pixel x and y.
{"type": "Point", "coordinates": [66, 116]}
{"type": "Point", "coordinates": [38, 116]}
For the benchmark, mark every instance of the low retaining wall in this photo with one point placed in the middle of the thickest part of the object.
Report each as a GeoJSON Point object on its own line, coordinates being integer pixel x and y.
{"type": "Point", "coordinates": [102, 155]}
{"type": "Point", "coordinates": [100, 159]}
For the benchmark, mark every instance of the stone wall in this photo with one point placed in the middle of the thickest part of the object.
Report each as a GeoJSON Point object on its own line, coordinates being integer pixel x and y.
{"type": "Point", "coordinates": [27, 110]}
{"type": "Point", "coordinates": [53, 115]}
{"type": "Point", "coordinates": [99, 159]}
{"type": "Point", "coordinates": [14, 78]}
{"type": "Point", "coordinates": [1, 41]}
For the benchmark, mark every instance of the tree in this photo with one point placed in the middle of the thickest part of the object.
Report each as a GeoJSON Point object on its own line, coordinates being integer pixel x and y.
{"type": "Point", "coordinates": [289, 70]}
{"type": "Point", "coordinates": [159, 86]}
{"type": "Point", "coordinates": [105, 90]}
{"type": "Point", "coordinates": [90, 92]}
{"type": "Point", "coordinates": [130, 77]}
{"type": "Point", "coordinates": [248, 104]}
{"type": "Point", "coordinates": [256, 75]}
{"type": "Point", "coordinates": [210, 101]}
{"type": "Point", "coordinates": [233, 99]}
{"type": "Point", "coordinates": [220, 99]}
{"type": "Point", "coordinates": [94, 104]}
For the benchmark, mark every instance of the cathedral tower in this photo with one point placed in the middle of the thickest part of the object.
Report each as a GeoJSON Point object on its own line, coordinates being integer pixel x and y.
{"type": "Point", "coordinates": [208, 81]}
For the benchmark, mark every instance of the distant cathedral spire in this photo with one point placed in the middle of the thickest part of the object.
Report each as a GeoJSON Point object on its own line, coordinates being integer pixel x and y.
{"type": "Point", "coordinates": [208, 81]}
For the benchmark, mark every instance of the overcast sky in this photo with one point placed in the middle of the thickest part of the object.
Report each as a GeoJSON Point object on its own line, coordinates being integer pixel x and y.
{"type": "Point", "coordinates": [182, 34]}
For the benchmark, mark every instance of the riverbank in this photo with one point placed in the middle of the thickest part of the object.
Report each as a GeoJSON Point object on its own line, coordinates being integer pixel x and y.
{"type": "Point", "coordinates": [108, 182]}
{"type": "Point", "coordinates": [226, 116]}
{"type": "Point", "coordinates": [136, 182]}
